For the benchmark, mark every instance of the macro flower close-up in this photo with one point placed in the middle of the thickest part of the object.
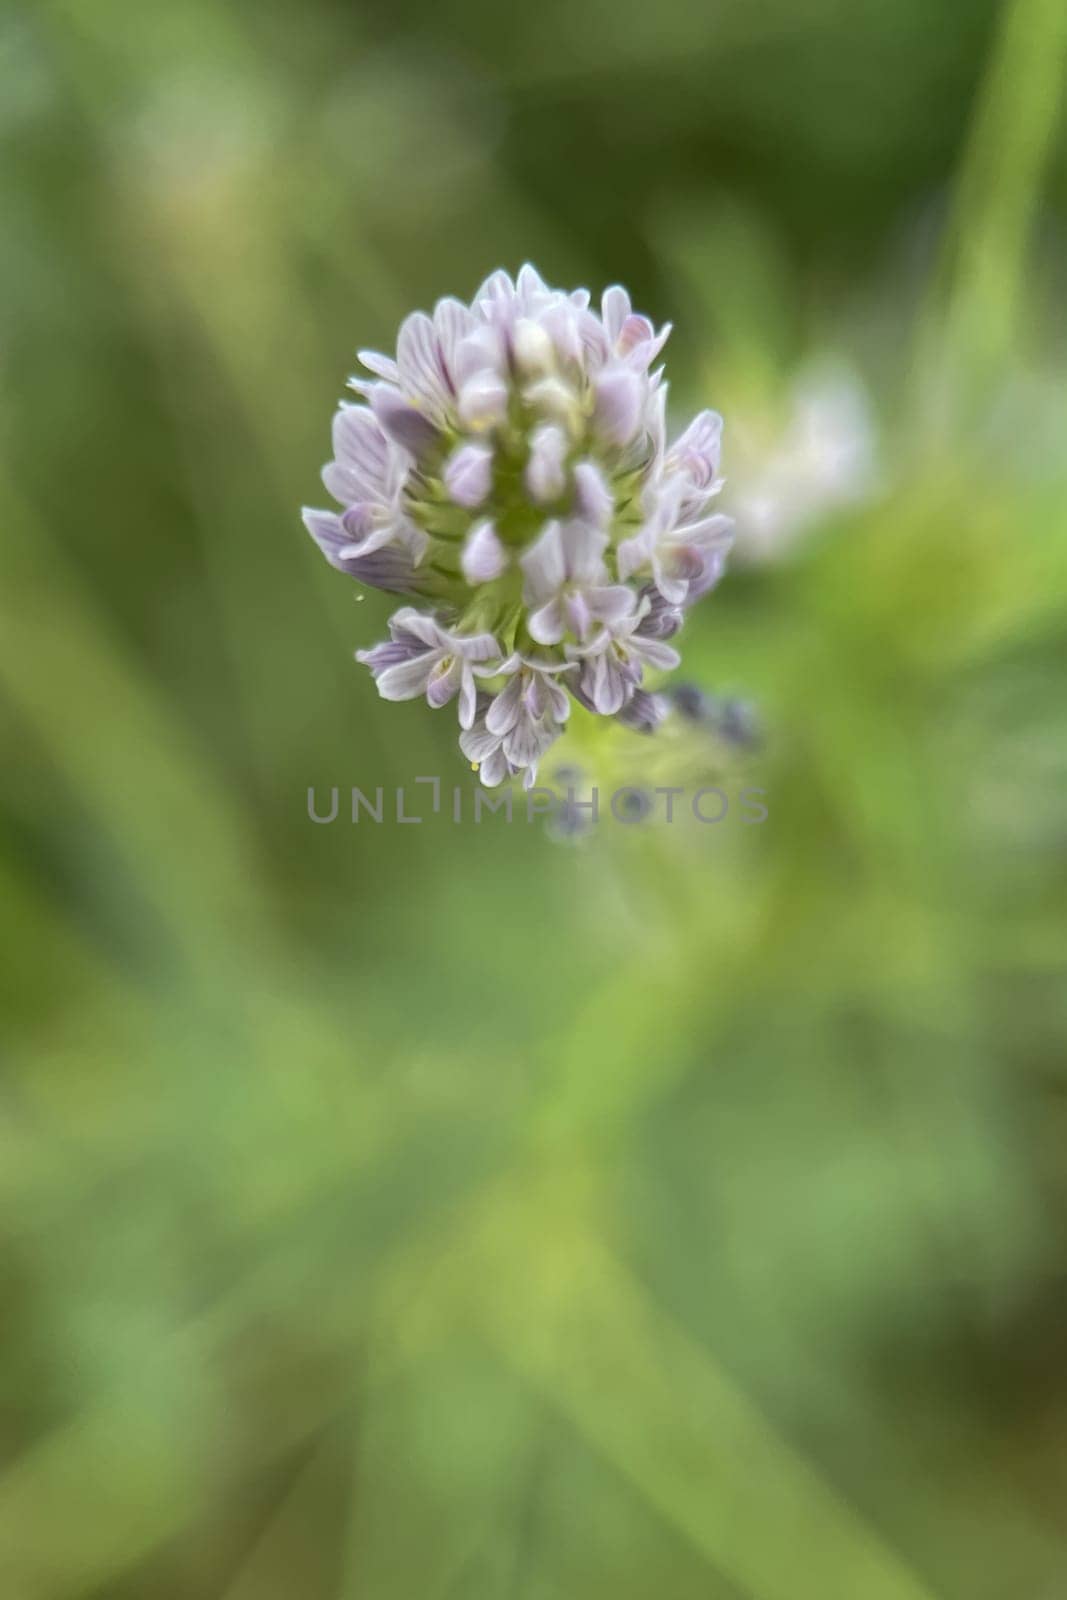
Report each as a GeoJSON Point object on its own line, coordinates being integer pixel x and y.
{"type": "Point", "coordinates": [510, 469]}
{"type": "Point", "coordinates": [533, 856]}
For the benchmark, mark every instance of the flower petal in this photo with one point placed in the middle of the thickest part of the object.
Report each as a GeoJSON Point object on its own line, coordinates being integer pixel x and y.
{"type": "Point", "coordinates": [483, 401]}
{"type": "Point", "coordinates": [468, 474]}
{"type": "Point", "coordinates": [633, 554]}
{"type": "Point", "coordinates": [477, 742]}
{"type": "Point", "coordinates": [654, 653]}
{"type": "Point", "coordinates": [362, 448]}
{"type": "Point", "coordinates": [593, 499]}
{"type": "Point", "coordinates": [617, 405]}
{"type": "Point", "coordinates": [583, 551]}
{"type": "Point", "coordinates": [422, 371]}
{"type": "Point", "coordinates": [545, 477]}
{"type": "Point", "coordinates": [547, 624]}
{"type": "Point", "coordinates": [452, 322]}
{"type": "Point", "coordinates": [444, 681]}
{"type": "Point", "coordinates": [404, 422]}
{"type": "Point", "coordinates": [483, 557]}
{"type": "Point", "coordinates": [407, 680]}
{"type": "Point", "coordinates": [468, 696]}
{"type": "Point", "coordinates": [614, 310]}
{"type": "Point", "coordinates": [418, 625]}
{"type": "Point", "coordinates": [475, 647]}
{"type": "Point", "coordinates": [697, 450]}
{"type": "Point", "coordinates": [543, 565]}
{"type": "Point", "coordinates": [506, 708]}
{"type": "Point", "coordinates": [382, 366]}
{"type": "Point", "coordinates": [610, 603]}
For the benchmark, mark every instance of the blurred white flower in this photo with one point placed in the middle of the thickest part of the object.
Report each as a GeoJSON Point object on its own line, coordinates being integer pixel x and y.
{"type": "Point", "coordinates": [823, 459]}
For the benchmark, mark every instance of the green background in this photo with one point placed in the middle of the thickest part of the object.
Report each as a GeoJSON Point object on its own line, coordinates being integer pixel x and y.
{"type": "Point", "coordinates": [444, 1211]}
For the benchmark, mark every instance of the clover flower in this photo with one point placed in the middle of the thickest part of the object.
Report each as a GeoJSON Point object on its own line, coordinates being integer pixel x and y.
{"type": "Point", "coordinates": [509, 468]}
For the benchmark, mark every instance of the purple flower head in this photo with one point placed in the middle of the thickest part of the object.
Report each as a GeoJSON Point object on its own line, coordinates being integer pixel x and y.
{"type": "Point", "coordinates": [509, 467]}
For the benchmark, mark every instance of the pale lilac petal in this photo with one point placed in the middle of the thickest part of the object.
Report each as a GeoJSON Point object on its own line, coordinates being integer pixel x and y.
{"type": "Point", "coordinates": [364, 533]}
{"type": "Point", "coordinates": [343, 484]}
{"type": "Point", "coordinates": [529, 284]}
{"type": "Point", "coordinates": [477, 743]}
{"type": "Point", "coordinates": [468, 696]}
{"type": "Point", "coordinates": [595, 346]}
{"type": "Point", "coordinates": [422, 373]}
{"type": "Point", "coordinates": [561, 324]}
{"type": "Point", "coordinates": [617, 407]}
{"type": "Point", "coordinates": [469, 474]}
{"type": "Point", "coordinates": [408, 679]}
{"type": "Point", "coordinates": [592, 497]}
{"type": "Point", "coordinates": [633, 554]}
{"type": "Point", "coordinates": [558, 701]}
{"type": "Point", "coordinates": [483, 557]}
{"type": "Point", "coordinates": [661, 620]}
{"type": "Point", "coordinates": [505, 709]}
{"type": "Point", "coordinates": [495, 768]}
{"type": "Point", "coordinates": [388, 654]}
{"type": "Point", "coordinates": [605, 683]}
{"type": "Point", "coordinates": [641, 355]}
{"type": "Point", "coordinates": [545, 477]}
{"type": "Point", "coordinates": [381, 567]}
{"type": "Point", "coordinates": [644, 712]}
{"type": "Point", "coordinates": [382, 366]}
{"type": "Point", "coordinates": [483, 401]}
{"type": "Point", "coordinates": [583, 551]}
{"type": "Point", "coordinates": [547, 625]}
{"type": "Point", "coordinates": [326, 530]}
{"type": "Point", "coordinates": [521, 744]}
{"type": "Point", "coordinates": [475, 647]}
{"type": "Point", "coordinates": [360, 445]}
{"type": "Point", "coordinates": [635, 330]}
{"type": "Point", "coordinates": [387, 569]}
{"type": "Point", "coordinates": [710, 533]}
{"type": "Point", "coordinates": [497, 289]}
{"type": "Point", "coordinates": [673, 589]}
{"type": "Point", "coordinates": [610, 603]}
{"type": "Point", "coordinates": [532, 347]}
{"type": "Point", "coordinates": [713, 568]}
{"type": "Point", "coordinates": [683, 561]}
{"type": "Point", "coordinates": [478, 351]}
{"type": "Point", "coordinates": [614, 310]}
{"type": "Point", "coordinates": [654, 653]}
{"type": "Point", "coordinates": [452, 322]}
{"type": "Point", "coordinates": [544, 566]}
{"type": "Point", "coordinates": [576, 610]}
{"type": "Point", "coordinates": [418, 625]}
{"type": "Point", "coordinates": [698, 449]}
{"type": "Point", "coordinates": [444, 681]}
{"type": "Point", "coordinates": [656, 421]}
{"type": "Point", "coordinates": [534, 697]}
{"type": "Point", "coordinates": [403, 422]}
{"type": "Point", "coordinates": [414, 540]}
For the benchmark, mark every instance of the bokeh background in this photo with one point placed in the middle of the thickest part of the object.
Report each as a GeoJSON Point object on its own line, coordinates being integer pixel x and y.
{"type": "Point", "coordinates": [421, 1213]}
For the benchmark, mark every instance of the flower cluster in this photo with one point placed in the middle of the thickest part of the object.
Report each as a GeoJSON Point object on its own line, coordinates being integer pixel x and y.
{"type": "Point", "coordinates": [510, 469]}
